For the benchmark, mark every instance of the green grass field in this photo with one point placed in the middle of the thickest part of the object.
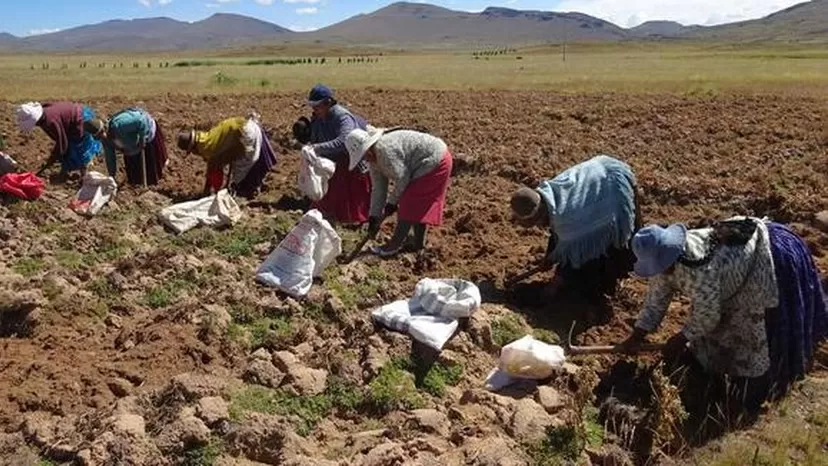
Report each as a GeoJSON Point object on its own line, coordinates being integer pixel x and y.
{"type": "Point", "coordinates": [626, 68]}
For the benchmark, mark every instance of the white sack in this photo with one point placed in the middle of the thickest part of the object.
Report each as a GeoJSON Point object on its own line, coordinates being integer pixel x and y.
{"type": "Point", "coordinates": [452, 298]}
{"type": "Point", "coordinates": [302, 255]}
{"type": "Point", "coordinates": [96, 191]}
{"type": "Point", "coordinates": [530, 358]}
{"type": "Point", "coordinates": [406, 316]}
{"type": "Point", "coordinates": [216, 210]}
{"type": "Point", "coordinates": [314, 174]}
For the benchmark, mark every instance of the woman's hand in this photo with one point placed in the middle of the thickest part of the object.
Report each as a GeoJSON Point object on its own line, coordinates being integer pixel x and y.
{"type": "Point", "coordinates": [675, 347]}
{"type": "Point", "coordinates": [632, 344]}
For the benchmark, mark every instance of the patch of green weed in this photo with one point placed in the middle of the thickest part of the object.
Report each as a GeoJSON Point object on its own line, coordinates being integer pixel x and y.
{"type": "Point", "coordinates": [439, 376]}
{"type": "Point", "coordinates": [593, 430]}
{"type": "Point", "coordinates": [546, 336]}
{"type": "Point", "coordinates": [353, 295]}
{"type": "Point", "coordinates": [562, 445]}
{"type": "Point", "coordinates": [167, 293]}
{"type": "Point", "coordinates": [393, 388]}
{"type": "Point", "coordinates": [344, 395]}
{"type": "Point", "coordinates": [307, 410]}
{"type": "Point", "coordinates": [507, 329]}
{"type": "Point", "coordinates": [72, 260]}
{"type": "Point", "coordinates": [205, 455]}
{"type": "Point", "coordinates": [29, 266]}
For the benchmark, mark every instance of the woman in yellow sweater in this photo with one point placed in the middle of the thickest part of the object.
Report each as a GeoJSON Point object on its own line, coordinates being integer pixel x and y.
{"type": "Point", "coordinates": [239, 143]}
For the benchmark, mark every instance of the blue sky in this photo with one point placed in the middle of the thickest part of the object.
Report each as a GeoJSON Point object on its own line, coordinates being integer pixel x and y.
{"type": "Point", "coordinates": [39, 16]}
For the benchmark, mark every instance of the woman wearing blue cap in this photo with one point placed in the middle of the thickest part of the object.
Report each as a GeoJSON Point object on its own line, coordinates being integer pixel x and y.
{"type": "Point", "coordinates": [349, 192]}
{"type": "Point", "coordinates": [758, 309]}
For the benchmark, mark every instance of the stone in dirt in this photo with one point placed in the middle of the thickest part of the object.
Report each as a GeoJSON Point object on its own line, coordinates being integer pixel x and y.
{"type": "Point", "coordinates": [194, 386]}
{"type": "Point", "coordinates": [550, 399]}
{"type": "Point", "coordinates": [262, 354]}
{"type": "Point", "coordinates": [821, 221]}
{"type": "Point", "coordinates": [263, 373]}
{"type": "Point", "coordinates": [263, 438]}
{"type": "Point", "coordinates": [495, 451]}
{"type": "Point", "coordinates": [609, 455]}
{"type": "Point", "coordinates": [185, 432]}
{"type": "Point", "coordinates": [302, 460]}
{"type": "Point", "coordinates": [130, 450]}
{"type": "Point", "coordinates": [120, 387]}
{"type": "Point", "coordinates": [217, 317]}
{"type": "Point", "coordinates": [284, 360]}
{"type": "Point", "coordinates": [530, 420]}
{"type": "Point", "coordinates": [431, 421]}
{"type": "Point", "coordinates": [385, 454]}
{"type": "Point", "coordinates": [212, 409]}
{"type": "Point", "coordinates": [307, 381]}
{"type": "Point", "coordinates": [131, 424]}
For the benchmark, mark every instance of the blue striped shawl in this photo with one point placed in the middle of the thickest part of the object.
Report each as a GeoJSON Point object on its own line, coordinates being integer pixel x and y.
{"type": "Point", "coordinates": [591, 208]}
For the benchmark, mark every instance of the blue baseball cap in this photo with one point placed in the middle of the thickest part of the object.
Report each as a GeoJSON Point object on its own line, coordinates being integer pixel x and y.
{"type": "Point", "coordinates": [657, 248]}
{"type": "Point", "coordinates": [319, 94]}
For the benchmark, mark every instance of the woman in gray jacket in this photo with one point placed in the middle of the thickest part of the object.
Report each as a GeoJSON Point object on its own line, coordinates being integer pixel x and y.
{"type": "Point", "coordinates": [419, 165]}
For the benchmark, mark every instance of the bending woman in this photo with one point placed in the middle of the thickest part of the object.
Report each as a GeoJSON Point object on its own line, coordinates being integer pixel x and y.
{"type": "Point", "coordinates": [419, 165]}
{"type": "Point", "coordinates": [591, 211]}
{"type": "Point", "coordinates": [135, 133]}
{"type": "Point", "coordinates": [239, 143]}
{"type": "Point", "coordinates": [71, 126]}
{"type": "Point", "coordinates": [758, 309]}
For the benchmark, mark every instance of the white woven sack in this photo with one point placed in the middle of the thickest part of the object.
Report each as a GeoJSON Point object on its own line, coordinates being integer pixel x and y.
{"type": "Point", "coordinates": [453, 298]}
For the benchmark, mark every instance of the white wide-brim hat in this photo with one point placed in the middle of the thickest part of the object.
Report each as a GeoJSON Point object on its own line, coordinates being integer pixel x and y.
{"type": "Point", "coordinates": [28, 115]}
{"type": "Point", "coordinates": [358, 142]}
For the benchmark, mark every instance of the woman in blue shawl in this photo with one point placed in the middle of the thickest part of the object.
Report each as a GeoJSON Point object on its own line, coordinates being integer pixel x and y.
{"type": "Point", "coordinates": [592, 213]}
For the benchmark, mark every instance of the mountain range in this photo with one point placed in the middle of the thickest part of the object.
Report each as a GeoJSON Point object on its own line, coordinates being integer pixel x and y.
{"type": "Point", "coordinates": [418, 24]}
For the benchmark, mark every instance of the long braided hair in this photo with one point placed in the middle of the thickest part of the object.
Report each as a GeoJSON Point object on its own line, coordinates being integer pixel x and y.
{"type": "Point", "coordinates": [725, 233]}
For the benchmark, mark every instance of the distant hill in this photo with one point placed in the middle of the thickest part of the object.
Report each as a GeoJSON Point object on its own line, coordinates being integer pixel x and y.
{"type": "Point", "coordinates": [8, 41]}
{"type": "Point", "coordinates": [158, 34]}
{"type": "Point", "coordinates": [418, 23]}
{"type": "Point", "coordinates": [655, 29]}
{"type": "Point", "coordinates": [805, 22]}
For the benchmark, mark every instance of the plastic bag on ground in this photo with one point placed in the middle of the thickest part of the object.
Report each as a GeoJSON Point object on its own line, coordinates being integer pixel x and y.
{"type": "Point", "coordinates": [302, 255]}
{"type": "Point", "coordinates": [96, 191]}
{"type": "Point", "coordinates": [453, 298]}
{"type": "Point", "coordinates": [217, 210]}
{"type": "Point", "coordinates": [22, 185]}
{"type": "Point", "coordinates": [406, 316]}
{"type": "Point", "coordinates": [530, 358]}
{"type": "Point", "coordinates": [314, 174]}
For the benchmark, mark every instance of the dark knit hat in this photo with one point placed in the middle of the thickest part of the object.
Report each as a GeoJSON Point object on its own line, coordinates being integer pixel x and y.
{"type": "Point", "coordinates": [186, 140]}
{"type": "Point", "coordinates": [95, 126]}
{"type": "Point", "coordinates": [525, 203]}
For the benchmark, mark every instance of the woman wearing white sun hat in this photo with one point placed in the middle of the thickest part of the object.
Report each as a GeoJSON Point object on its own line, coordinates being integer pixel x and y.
{"type": "Point", "coordinates": [419, 165]}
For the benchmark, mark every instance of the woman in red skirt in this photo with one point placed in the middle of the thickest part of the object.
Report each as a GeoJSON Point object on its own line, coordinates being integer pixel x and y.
{"type": "Point", "coordinates": [419, 165]}
{"type": "Point", "coordinates": [349, 191]}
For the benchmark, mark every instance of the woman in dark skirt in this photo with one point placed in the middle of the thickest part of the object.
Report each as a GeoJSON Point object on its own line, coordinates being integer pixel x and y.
{"type": "Point", "coordinates": [758, 310]}
{"type": "Point", "coordinates": [135, 133]}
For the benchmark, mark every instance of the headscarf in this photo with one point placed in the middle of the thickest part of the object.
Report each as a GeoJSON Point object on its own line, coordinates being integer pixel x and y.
{"type": "Point", "coordinates": [28, 115]}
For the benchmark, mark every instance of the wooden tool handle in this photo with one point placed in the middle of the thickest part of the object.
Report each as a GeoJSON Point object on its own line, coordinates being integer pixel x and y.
{"type": "Point", "coordinates": [614, 349]}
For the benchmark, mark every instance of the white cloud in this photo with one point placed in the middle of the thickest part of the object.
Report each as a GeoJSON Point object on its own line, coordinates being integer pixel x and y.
{"type": "Point", "coordinates": [307, 11]}
{"type": "Point", "coordinates": [37, 32]}
{"type": "Point", "coordinates": [708, 12]}
{"type": "Point", "coordinates": [302, 28]}
{"type": "Point", "coordinates": [148, 3]}
{"type": "Point", "coordinates": [302, 1]}
{"type": "Point", "coordinates": [264, 2]}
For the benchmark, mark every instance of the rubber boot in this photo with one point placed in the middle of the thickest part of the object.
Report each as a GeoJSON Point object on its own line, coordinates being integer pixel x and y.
{"type": "Point", "coordinates": [420, 232]}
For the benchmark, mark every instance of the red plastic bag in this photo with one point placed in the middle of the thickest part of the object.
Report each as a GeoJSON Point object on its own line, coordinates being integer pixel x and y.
{"type": "Point", "coordinates": [23, 185]}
